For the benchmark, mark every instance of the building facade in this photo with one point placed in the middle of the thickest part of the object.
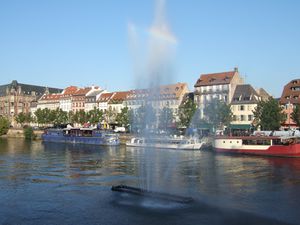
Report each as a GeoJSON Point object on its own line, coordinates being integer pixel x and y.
{"type": "Point", "coordinates": [91, 98]}
{"type": "Point", "coordinates": [78, 99]}
{"type": "Point", "coordinates": [65, 102]}
{"type": "Point", "coordinates": [216, 85]}
{"type": "Point", "coordinates": [17, 97]}
{"type": "Point", "coordinates": [244, 102]}
{"type": "Point", "coordinates": [289, 98]}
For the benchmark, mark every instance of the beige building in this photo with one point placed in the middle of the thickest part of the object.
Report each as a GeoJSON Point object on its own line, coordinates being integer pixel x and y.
{"type": "Point", "coordinates": [17, 97]}
{"type": "Point", "coordinates": [169, 96]}
{"type": "Point", "coordinates": [244, 102]}
{"type": "Point", "coordinates": [216, 85]}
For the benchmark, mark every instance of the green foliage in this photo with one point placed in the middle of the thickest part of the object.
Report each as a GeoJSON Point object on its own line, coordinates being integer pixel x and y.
{"type": "Point", "coordinates": [123, 118]}
{"type": "Point", "coordinates": [28, 133]}
{"type": "Point", "coordinates": [218, 113]}
{"type": "Point", "coordinates": [95, 116]}
{"type": "Point", "coordinates": [22, 118]}
{"type": "Point", "coordinates": [58, 117]}
{"type": "Point", "coordinates": [295, 115]}
{"type": "Point", "coordinates": [186, 112]}
{"type": "Point", "coordinates": [268, 115]}
{"type": "Point", "coordinates": [165, 118]}
{"type": "Point", "coordinates": [4, 125]}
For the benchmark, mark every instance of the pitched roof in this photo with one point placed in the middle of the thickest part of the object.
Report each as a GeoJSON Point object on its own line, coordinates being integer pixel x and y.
{"type": "Point", "coordinates": [83, 91]}
{"type": "Point", "coordinates": [263, 94]}
{"type": "Point", "coordinates": [291, 93]}
{"type": "Point", "coordinates": [28, 88]}
{"type": "Point", "coordinates": [162, 92]}
{"type": "Point", "coordinates": [105, 97]}
{"type": "Point", "coordinates": [70, 90]}
{"type": "Point", "coordinates": [215, 78]}
{"type": "Point", "coordinates": [119, 97]}
{"type": "Point", "coordinates": [245, 94]}
{"type": "Point", "coordinates": [51, 97]}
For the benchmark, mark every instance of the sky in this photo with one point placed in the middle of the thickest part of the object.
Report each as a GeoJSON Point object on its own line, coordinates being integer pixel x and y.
{"type": "Point", "coordinates": [58, 43]}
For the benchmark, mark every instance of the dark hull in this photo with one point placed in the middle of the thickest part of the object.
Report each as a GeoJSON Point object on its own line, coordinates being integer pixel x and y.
{"type": "Point", "coordinates": [80, 140]}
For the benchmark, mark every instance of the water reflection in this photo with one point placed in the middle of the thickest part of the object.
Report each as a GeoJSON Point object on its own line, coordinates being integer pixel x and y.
{"type": "Point", "coordinates": [46, 173]}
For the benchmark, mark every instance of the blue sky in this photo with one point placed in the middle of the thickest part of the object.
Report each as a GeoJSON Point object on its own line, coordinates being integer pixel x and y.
{"type": "Point", "coordinates": [67, 42]}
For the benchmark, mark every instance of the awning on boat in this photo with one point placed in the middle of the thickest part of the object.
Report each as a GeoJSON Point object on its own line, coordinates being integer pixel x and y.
{"type": "Point", "coordinates": [240, 126]}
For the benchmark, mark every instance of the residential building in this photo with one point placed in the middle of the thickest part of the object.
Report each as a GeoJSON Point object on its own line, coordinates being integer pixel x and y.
{"type": "Point", "coordinates": [244, 102]}
{"type": "Point", "coordinates": [216, 85]}
{"type": "Point", "coordinates": [289, 98]}
{"type": "Point", "coordinates": [169, 96]}
{"type": "Point", "coordinates": [65, 102]}
{"type": "Point", "coordinates": [78, 99]}
{"type": "Point", "coordinates": [50, 101]}
{"type": "Point", "coordinates": [118, 101]}
{"type": "Point", "coordinates": [103, 100]}
{"type": "Point", "coordinates": [91, 98]}
{"type": "Point", "coordinates": [17, 97]}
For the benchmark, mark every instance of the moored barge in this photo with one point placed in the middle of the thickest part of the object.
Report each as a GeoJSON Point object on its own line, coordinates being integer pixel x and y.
{"type": "Point", "coordinates": [259, 145]}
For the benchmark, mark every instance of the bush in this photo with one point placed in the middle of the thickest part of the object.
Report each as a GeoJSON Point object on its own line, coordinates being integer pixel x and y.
{"type": "Point", "coordinates": [28, 133]}
{"type": "Point", "coordinates": [4, 125]}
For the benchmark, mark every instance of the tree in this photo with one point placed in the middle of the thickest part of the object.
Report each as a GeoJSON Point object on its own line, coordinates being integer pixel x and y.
{"type": "Point", "coordinates": [59, 117]}
{"type": "Point", "coordinates": [186, 112]}
{"type": "Point", "coordinates": [295, 115]}
{"type": "Point", "coordinates": [218, 113]}
{"type": "Point", "coordinates": [145, 118]}
{"type": "Point", "coordinates": [268, 115]}
{"type": "Point", "coordinates": [95, 116]}
{"type": "Point", "coordinates": [20, 118]}
{"type": "Point", "coordinates": [122, 118]}
{"type": "Point", "coordinates": [165, 118]}
{"type": "Point", "coordinates": [4, 125]}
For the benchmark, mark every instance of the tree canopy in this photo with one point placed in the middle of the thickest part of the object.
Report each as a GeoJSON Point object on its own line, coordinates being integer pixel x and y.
{"type": "Point", "coordinates": [295, 115]}
{"type": "Point", "coordinates": [268, 115]}
{"type": "Point", "coordinates": [186, 112]}
{"type": "Point", "coordinates": [4, 125]}
{"type": "Point", "coordinates": [218, 113]}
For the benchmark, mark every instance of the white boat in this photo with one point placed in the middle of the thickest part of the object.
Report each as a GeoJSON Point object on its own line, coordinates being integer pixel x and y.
{"type": "Point", "coordinates": [169, 143]}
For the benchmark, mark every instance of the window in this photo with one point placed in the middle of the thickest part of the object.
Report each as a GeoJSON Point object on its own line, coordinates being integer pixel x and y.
{"type": "Point", "coordinates": [234, 118]}
{"type": "Point", "coordinates": [250, 117]}
{"type": "Point", "coordinates": [242, 117]}
{"type": "Point", "coordinates": [242, 108]}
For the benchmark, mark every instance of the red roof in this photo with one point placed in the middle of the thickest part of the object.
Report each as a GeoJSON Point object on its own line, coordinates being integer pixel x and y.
{"type": "Point", "coordinates": [51, 97]}
{"type": "Point", "coordinates": [70, 90]}
{"type": "Point", "coordinates": [82, 91]}
{"type": "Point", "coordinates": [291, 93]}
{"type": "Point", "coordinates": [105, 97]}
{"type": "Point", "coordinates": [120, 96]}
{"type": "Point", "coordinates": [215, 78]}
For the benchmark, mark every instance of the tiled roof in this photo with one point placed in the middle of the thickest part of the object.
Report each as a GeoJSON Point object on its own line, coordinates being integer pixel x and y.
{"type": "Point", "coordinates": [215, 78]}
{"type": "Point", "coordinates": [119, 96]}
{"type": "Point", "coordinates": [105, 97]}
{"type": "Point", "coordinates": [83, 91]}
{"type": "Point", "coordinates": [70, 90]}
{"type": "Point", "coordinates": [244, 94]}
{"type": "Point", "coordinates": [291, 93]}
{"type": "Point", "coordinates": [162, 92]}
{"type": "Point", "coordinates": [51, 97]}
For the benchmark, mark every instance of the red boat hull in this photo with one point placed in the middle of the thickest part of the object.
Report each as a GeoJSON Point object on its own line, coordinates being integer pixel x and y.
{"type": "Point", "coordinates": [292, 150]}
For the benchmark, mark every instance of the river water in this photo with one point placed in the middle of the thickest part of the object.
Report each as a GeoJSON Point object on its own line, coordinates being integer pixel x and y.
{"type": "Point", "coordinates": [49, 183]}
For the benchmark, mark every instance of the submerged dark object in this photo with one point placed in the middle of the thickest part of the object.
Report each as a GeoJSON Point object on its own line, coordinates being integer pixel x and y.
{"type": "Point", "coordinates": [152, 194]}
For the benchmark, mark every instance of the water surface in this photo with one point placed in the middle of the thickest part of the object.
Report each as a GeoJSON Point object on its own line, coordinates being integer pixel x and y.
{"type": "Point", "coordinates": [49, 183]}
